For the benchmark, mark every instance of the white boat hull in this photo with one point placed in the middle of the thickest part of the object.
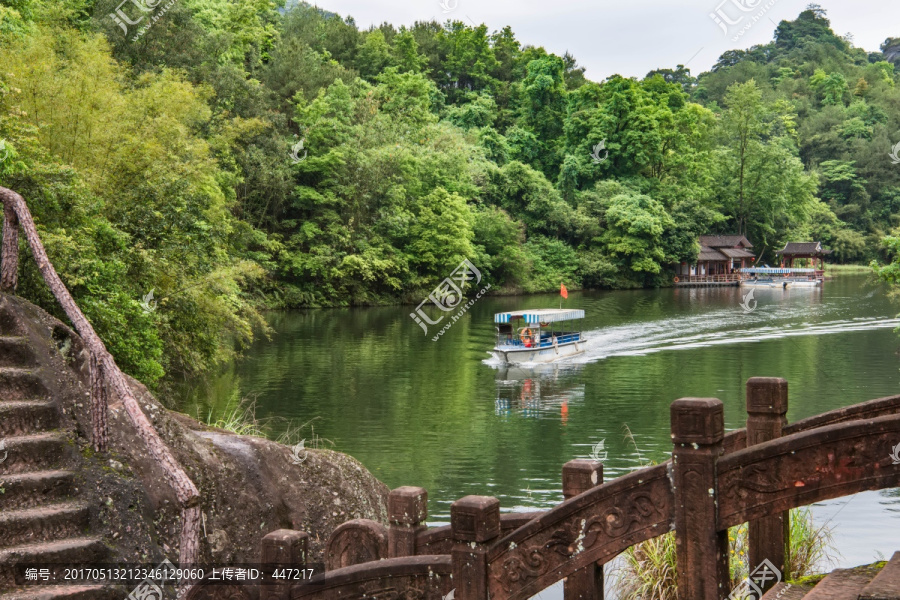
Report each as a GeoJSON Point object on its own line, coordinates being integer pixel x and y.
{"type": "Point", "coordinates": [785, 284]}
{"type": "Point", "coordinates": [544, 354]}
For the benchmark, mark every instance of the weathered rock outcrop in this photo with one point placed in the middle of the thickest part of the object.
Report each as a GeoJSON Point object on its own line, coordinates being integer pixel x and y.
{"type": "Point", "coordinates": [891, 50]}
{"type": "Point", "coordinates": [118, 506]}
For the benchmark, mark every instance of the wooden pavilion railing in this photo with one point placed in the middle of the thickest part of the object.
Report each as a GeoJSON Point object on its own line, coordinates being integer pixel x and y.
{"type": "Point", "coordinates": [721, 278]}
{"type": "Point", "coordinates": [105, 374]}
{"type": "Point", "coordinates": [713, 481]}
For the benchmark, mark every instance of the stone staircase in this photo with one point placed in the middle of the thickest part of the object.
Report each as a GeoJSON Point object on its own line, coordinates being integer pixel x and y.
{"type": "Point", "coordinates": [861, 583]}
{"type": "Point", "coordinates": [42, 520]}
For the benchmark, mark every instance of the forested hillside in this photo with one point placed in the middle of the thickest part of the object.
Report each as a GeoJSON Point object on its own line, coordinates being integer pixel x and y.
{"type": "Point", "coordinates": [241, 154]}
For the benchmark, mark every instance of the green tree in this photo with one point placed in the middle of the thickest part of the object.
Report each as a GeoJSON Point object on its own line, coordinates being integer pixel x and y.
{"type": "Point", "coordinates": [374, 55]}
{"type": "Point", "coordinates": [543, 109]}
{"type": "Point", "coordinates": [406, 52]}
{"type": "Point", "coordinates": [146, 206]}
{"type": "Point", "coordinates": [765, 190]}
{"type": "Point", "coordinates": [635, 224]}
{"type": "Point", "coordinates": [440, 236]}
{"type": "Point", "coordinates": [832, 86]}
{"type": "Point", "coordinates": [469, 61]}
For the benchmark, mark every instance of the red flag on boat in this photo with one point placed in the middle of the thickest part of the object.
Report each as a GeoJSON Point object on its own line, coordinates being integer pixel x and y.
{"type": "Point", "coordinates": [563, 291]}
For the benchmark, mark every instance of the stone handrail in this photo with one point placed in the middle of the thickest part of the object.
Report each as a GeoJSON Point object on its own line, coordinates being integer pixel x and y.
{"type": "Point", "coordinates": [713, 481]}
{"type": "Point", "coordinates": [592, 527]}
{"type": "Point", "coordinates": [439, 540]}
{"type": "Point", "coordinates": [889, 405]}
{"type": "Point", "coordinates": [775, 476]}
{"type": "Point", "coordinates": [105, 373]}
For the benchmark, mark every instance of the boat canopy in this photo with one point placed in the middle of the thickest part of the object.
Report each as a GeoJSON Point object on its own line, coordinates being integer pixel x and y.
{"type": "Point", "coordinates": [774, 271]}
{"type": "Point", "coordinates": [539, 315]}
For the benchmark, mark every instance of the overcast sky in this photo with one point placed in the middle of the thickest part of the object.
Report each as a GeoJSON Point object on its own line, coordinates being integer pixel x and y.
{"type": "Point", "coordinates": [632, 37]}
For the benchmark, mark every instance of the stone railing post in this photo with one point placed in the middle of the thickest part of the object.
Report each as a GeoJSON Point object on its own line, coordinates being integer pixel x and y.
{"type": "Point", "coordinates": [767, 404]}
{"type": "Point", "coordinates": [407, 512]}
{"type": "Point", "coordinates": [282, 549]}
{"type": "Point", "coordinates": [580, 476]}
{"type": "Point", "coordinates": [9, 261]}
{"type": "Point", "coordinates": [698, 427]}
{"type": "Point", "coordinates": [99, 407]}
{"type": "Point", "coordinates": [474, 523]}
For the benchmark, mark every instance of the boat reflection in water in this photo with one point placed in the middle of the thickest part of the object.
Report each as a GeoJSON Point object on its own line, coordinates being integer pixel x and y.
{"type": "Point", "coordinates": [541, 391]}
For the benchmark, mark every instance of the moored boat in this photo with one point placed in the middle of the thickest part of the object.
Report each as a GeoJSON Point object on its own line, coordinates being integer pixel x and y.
{"type": "Point", "coordinates": [780, 277]}
{"type": "Point", "coordinates": [530, 336]}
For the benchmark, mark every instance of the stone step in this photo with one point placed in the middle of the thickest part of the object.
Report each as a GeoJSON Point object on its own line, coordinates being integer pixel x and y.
{"type": "Point", "coordinates": [9, 324]}
{"type": "Point", "coordinates": [840, 584]}
{"type": "Point", "coordinates": [67, 592]}
{"type": "Point", "coordinates": [29, 490]}
{"type": "Point", "coordinates": [84, 550]}
{"type": "Point", "coordinates": [885, 585]}
{"type": "Point", "coordinates": [43, 523]}
{"type": "Point", "coordinates": [21, 384]}
{"type": "Point", "coordinates": [36, 452]}
{"type": "Point", "coordinates": [786, 591]}
{"type": "Point", "coordinates": [16, 352]}
{"type": "Point", "coordinates": [21, 417]}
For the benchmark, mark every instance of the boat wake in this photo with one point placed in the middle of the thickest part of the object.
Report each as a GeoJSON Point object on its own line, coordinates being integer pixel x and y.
{"type": "Point", "coordinates": [648, 338]}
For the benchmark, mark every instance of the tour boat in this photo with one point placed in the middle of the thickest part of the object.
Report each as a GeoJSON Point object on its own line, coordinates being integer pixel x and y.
{"type": "Point", "coordinates": [529, 336]}
{"type": "Point", "coordinates": [780, 278]}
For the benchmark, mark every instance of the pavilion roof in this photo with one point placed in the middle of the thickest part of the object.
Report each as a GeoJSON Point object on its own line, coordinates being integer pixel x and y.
{"type": "Point", "coordinates": [722, 254]}
{"type": "Point", "coordinates": [707, 253]}
{"type": "Point", "coordinates": [803, 248]}
{"type": "Point", "coordinates": [736, 253]}
{"type": "Point", "coordinates": [725, 241]}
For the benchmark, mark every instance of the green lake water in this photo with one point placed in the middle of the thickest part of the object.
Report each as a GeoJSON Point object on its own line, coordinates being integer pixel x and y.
{"type": "Point", "coordinates": [438, 414]}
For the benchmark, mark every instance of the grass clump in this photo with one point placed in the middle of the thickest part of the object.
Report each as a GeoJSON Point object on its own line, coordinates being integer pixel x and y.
{"type": "Point", "coordinates": [238, 416]}
{"type": "Point", "coordinates": [649, 571]}
{"type": "Point", "coordinates": [811, 546]}
{"type": "Point", "coordinates": [836, 269]}
{"type": "Point", "coordinates": [294, 434]}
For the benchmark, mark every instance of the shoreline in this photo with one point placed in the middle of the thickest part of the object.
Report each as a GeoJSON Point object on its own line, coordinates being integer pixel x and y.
{"type": "Point", "coordinates": [830, 269]}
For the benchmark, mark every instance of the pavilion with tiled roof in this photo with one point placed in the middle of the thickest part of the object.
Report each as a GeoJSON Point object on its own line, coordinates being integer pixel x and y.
{"type": "Point", "coordinates": [809, 250]}
{"type": "Point", "coordinates": [719, 259]}
{"type": "Point", "coordinates": [722, 254]}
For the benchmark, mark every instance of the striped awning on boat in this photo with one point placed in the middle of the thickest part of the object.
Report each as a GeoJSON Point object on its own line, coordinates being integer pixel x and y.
{"type": "Point", "coordinates": [539, 315]}
{"type": "Point", "coordinates": [774, 271]}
